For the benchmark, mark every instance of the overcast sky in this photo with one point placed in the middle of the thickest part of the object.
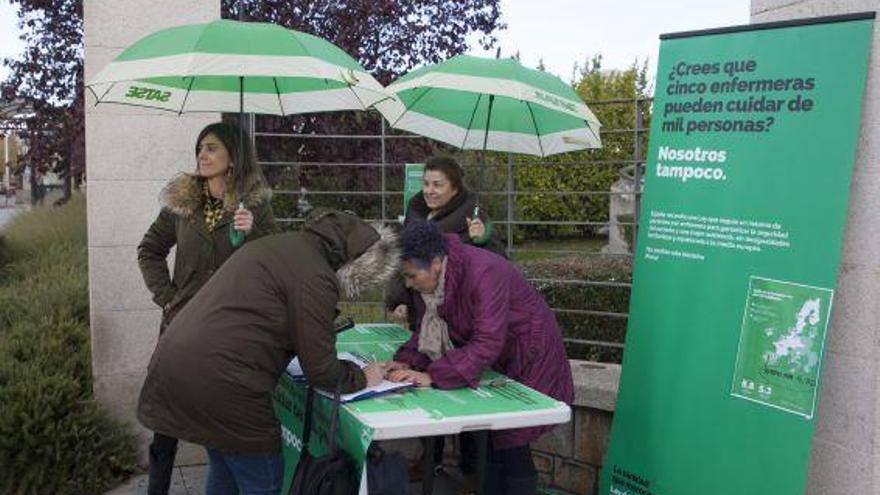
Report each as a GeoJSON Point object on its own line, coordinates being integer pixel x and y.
{"type": "Point", "coordinates": [9, 44]}
{"type": "Point", "coordinates": [562, 32]}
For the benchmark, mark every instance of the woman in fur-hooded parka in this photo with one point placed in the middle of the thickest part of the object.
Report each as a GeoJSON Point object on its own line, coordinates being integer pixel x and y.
{"type": "Point", "coordinates": [212, 376]}
{"type": "Point", "coordinates": [202, 244]}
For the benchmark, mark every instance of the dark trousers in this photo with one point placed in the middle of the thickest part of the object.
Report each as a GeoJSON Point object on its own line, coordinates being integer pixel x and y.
{"type": "Point", "coordinates": [231, 474]}
{"type": "Point", "coordinates": [467, 451]}
{"type": "Point", "coordinates": [511, 472]}
{"type": "Point", "coordinates": [163, 449]}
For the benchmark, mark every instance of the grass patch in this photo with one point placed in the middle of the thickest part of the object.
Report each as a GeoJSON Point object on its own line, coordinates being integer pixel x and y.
{"type": "Point", "coordinates": [534, 250]}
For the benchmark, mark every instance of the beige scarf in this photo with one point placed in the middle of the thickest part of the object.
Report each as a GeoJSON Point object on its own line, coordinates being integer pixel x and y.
{"type": "Point", "coordinates": [434, 339]}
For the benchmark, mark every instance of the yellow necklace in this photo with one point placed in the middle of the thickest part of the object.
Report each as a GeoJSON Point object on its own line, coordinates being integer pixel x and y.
{"type": "Point", "coordinates": [213, 208]}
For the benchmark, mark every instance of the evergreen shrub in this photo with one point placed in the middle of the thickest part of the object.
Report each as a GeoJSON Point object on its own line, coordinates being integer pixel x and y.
{"type": "Point", "coordinates": [558, 284]}
{"type": "Point", "coordinates": [54, 437]}
{"type": "Point", "coordinates": [4, 251]}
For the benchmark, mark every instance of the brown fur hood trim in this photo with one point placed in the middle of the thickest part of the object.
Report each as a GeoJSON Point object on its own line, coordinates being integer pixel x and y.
{"type": "Point", "coordinates": [183, 195]}
{"type": "Point", "coordinates": [373, 268]}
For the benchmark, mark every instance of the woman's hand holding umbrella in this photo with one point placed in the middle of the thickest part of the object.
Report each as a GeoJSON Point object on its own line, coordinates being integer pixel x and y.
{"type": "Point", "coordinates": [242, 224]}
{"type": "Point", "coordinates": [476, 228]}
{"type": "Point", "coordinates": [243, 221]}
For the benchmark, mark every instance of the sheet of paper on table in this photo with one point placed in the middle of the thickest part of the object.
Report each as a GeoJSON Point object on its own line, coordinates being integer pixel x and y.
{"type": "Point", "coordinates": [294, 369]}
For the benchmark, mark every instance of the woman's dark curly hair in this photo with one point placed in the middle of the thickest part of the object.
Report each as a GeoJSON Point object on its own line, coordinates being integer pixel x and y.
{"type": "Point", "coordinates": [421, 242]}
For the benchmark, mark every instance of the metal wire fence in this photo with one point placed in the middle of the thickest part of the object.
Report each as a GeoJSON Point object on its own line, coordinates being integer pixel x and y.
{"type": "Point", "coordinates": [569, 222]}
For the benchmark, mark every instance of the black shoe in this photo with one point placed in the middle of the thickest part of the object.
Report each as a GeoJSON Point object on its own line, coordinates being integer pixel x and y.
{"type": "Point", "coordinates": [521, 485]}
{"type": "Point", "coordinates": [494, 481]}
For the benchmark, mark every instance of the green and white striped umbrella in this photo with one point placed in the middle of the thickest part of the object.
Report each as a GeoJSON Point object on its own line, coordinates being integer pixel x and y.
{"type": "Point", "coordinates": [524, 110]}
{"type": "Point", "coordinates": [230, 66]}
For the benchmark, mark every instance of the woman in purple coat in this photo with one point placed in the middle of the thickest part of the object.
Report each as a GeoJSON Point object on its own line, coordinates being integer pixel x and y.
{"type": "Point", "coordinates": [476, 312]}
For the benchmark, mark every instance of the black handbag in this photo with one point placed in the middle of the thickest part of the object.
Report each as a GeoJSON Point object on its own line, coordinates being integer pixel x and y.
{"type": "Point", "coordinates": [330, 474]}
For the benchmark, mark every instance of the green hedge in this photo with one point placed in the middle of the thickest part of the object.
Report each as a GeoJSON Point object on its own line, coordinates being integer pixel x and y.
{"type": "Point", "coordinates": [579, 296]}
{"type": "Point", "coordinates": [54, 280]}
{"type": "Point", "coordinates": [54, 437]}
{"type": "Point", "coordinates": [562, 207]}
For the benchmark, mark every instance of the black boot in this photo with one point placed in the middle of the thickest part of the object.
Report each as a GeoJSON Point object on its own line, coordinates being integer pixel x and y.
{"type": "Point", "coordinates": [162, 453]}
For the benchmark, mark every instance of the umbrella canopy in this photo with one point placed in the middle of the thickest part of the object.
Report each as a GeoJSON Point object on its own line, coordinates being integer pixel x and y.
{"type": "Point", "coordinates": [230, 66]}
{"type": "Point", "coordinates": [524, 110]}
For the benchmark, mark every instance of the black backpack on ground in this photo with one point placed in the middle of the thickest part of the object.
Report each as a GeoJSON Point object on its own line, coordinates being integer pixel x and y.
{"type": "Point", "coordinates": [330, 474]}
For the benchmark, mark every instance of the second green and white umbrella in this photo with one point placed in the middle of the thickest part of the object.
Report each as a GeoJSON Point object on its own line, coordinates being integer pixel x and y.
{"type": "Point", "coordinates": [230, 66]}
{"type": "Point", "coordinates": [524, 110]}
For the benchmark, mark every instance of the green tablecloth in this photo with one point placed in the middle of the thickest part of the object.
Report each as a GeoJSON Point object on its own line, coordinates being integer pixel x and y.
{"type": "Point", "coordinates": [497, 403]}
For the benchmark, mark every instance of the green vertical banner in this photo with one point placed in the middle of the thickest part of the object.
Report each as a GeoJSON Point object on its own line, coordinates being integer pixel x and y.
{"type": "Point", "coordinates": [753, 139]}
{"type": "Point", "coordinates": [412, 182]}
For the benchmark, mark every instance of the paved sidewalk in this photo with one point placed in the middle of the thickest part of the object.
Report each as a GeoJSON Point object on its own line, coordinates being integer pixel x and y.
{"type": "Point", "coordinates": [187, 480]}
{"type": "Point", "coordinates": [190, 480]}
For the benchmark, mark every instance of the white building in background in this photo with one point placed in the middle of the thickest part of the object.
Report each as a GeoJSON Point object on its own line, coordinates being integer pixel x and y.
{"type": "Point", "coordinates": [11, 146]}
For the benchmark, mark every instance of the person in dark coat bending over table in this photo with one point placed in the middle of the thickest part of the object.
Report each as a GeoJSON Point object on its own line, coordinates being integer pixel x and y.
{"type": "Point", "coordinates": [476, 312]}
{"type": "Point", "coordinates": [211, 378]}
{"type": "Point", "coordinates": [198, 209]}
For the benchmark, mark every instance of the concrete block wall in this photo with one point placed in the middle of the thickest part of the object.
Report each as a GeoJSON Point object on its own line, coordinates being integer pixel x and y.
{"type": "Point", "coordinates": [845, 456]}
{"type": "Point", "coordinates": [131, 153]}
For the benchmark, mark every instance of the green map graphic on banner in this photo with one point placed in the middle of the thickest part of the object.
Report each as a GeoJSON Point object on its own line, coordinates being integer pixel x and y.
{"type": "Point", "coordinates": [781, 343]}
{"type": "Point", "coordinates": [747, 178]}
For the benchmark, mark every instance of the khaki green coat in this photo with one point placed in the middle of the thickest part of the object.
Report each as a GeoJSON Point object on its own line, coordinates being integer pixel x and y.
{"type": "Point", "coordinates": [200, 252]}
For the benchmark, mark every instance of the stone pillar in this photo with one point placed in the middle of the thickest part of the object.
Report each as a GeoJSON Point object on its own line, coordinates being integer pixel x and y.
{"type": "Point", "coordinates": [845, 457]}
{"type": "Point", "coordinates": [130, 154]}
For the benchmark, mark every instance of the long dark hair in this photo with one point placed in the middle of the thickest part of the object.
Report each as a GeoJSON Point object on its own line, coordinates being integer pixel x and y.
{"type": "Point", "coordinates": [240, 152]}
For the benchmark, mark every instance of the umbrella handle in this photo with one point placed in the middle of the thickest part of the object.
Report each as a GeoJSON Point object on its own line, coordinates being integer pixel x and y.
{"type": "Point", "coordinates": [236, 237]}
